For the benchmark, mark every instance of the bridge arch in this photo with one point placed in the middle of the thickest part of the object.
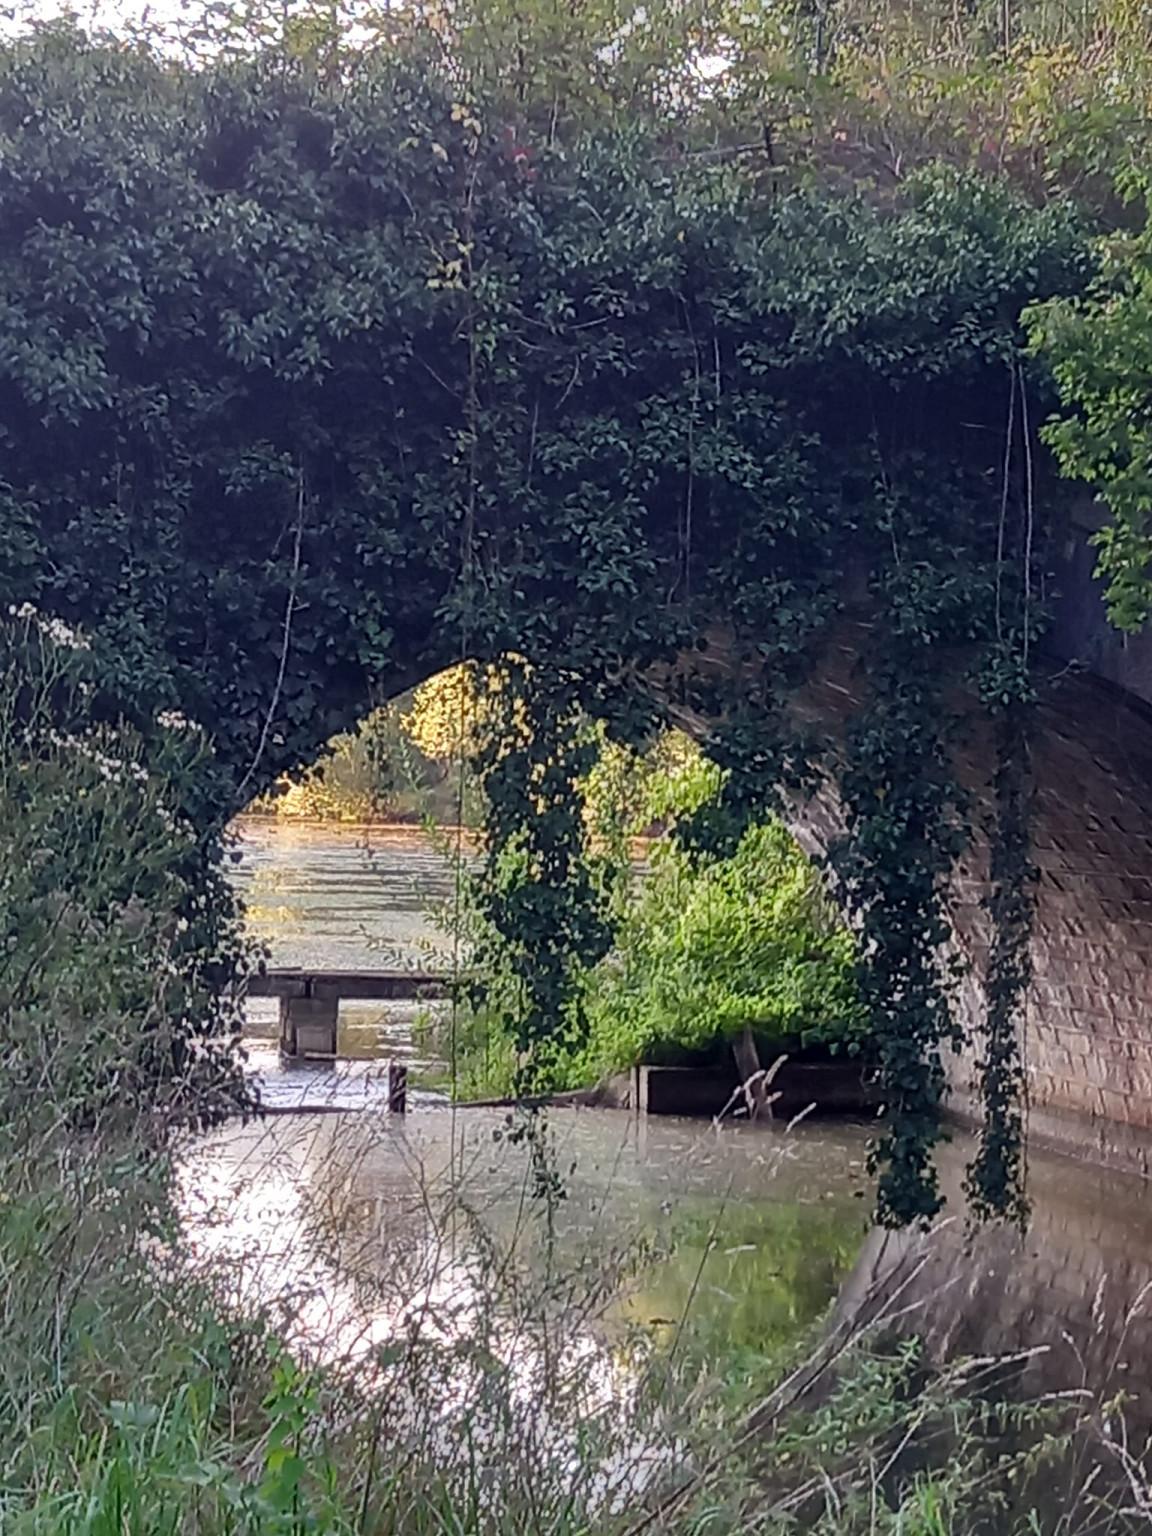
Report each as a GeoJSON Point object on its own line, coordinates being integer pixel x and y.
{"type": "Point", "coordinates": [328, 404]}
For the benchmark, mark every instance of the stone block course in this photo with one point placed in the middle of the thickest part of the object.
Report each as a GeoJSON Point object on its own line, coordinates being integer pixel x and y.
{"type": "Point", "coordinates": [1088, 1035]}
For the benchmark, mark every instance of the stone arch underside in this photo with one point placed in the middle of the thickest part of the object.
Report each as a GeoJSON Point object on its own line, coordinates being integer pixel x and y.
{"type": "Point", "coordinates": [1088, 1028]}
{"type": "Point", "coordinates": [1087, 1038]}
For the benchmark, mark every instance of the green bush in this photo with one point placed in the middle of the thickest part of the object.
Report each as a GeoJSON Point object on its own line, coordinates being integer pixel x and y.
{"type": "Point", "coordinates": [710, 948]}
{"type": "Point", "coordinates": [117, 928]}
{"type": "Point", "coordinates": [705, 946]}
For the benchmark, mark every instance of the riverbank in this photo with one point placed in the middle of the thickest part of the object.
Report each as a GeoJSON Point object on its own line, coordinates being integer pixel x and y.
{"type": "Point", "coordinates": [400, 826]}
{"type": "Point", "coordinates": [439, 835]}
{"type": "Point", "coordinates": [350, 1333]}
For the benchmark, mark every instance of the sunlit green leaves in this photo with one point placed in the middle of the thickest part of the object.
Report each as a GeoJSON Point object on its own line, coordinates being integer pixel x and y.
{"type": "Point", "coordinates": [1100, 352]}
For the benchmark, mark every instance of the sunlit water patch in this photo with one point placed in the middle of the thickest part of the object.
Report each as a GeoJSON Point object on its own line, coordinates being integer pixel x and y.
{"type": "Point", "coordinates": [417, 1255]}
{"type": "Point", "coordinates": [347, 1223]}
{"type": "Point", "coordinates": [331, 897]}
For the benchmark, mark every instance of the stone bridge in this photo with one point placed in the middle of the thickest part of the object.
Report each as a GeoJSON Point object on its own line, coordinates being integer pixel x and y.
{"type": "Point", "coordinates": [243, 440]}
{"type": "Point", "coordinates": [1088, 1045]}
{"type": "Point", "coordinates": [1088, 1033]}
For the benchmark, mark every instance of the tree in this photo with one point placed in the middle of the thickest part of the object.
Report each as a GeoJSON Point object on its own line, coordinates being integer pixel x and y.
{"type": "Point", "coordinates": [1100, 351]}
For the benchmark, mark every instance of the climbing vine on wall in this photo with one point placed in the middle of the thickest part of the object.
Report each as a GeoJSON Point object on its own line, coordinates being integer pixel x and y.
{"type": "Point", "coordinates": [893, 866]}
{"type": "Point", "coordinates": [995, 1180]}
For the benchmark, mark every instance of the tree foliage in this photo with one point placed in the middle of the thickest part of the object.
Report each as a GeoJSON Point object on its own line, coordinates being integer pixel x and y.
{"type": "Point", "coordinates": [320, 372]}
{"type": "Point", "coordinates": [1100, 351]}
{"type": "Point", "coordinates": [1050, 94]}
{"type": "Point", "coordinates": [712, 947]}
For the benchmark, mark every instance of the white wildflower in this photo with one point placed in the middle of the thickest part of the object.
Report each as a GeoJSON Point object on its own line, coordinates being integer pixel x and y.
{"type": "Point", "coordinates": [50, 627]}
{"type": "Point", "coordinates": [113, 770]}
{"type": "Point", "coordinates": [173, 720]}
{"type": "Point", "coordinates": [63, 635]}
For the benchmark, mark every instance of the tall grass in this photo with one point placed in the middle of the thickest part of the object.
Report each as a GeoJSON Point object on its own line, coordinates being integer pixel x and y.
{"type": "Point", "coordinates": [469, 1371]}
{"type": "Point", "coordinates": [157, 1382]}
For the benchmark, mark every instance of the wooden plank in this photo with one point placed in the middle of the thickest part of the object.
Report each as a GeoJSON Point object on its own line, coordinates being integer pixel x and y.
{"type": "Point", "coordinates": [278, 984]}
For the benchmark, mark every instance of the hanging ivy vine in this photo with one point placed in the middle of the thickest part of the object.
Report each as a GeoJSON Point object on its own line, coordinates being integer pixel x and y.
{"type": "Point", "coordinates": [542, 914]}
{"type": "Point", "coordinates": [903, 835]}
{"type": "Point", "coordinates": [995, 1181]}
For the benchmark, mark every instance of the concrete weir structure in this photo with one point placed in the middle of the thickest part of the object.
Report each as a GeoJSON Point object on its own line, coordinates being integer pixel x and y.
{"type": "Point", "coordinates": [310, 1001]}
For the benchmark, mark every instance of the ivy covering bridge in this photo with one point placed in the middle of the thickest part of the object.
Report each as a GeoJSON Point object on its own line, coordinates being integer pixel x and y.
{"type": "Point", "coordinates": [317, 379]}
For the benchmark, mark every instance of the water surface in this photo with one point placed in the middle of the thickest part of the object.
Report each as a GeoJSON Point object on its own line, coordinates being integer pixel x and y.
{"type": "Point", "coordinates": [328, 896]}
{"type": "Point", "coordinates": [754, 1232]}
{"type": "Point", "coordinates": [354, 1224]}
{"type": "Point", "coordinates": [335, 897]}
{"type": "Point", "coordinates": [362, 1219]}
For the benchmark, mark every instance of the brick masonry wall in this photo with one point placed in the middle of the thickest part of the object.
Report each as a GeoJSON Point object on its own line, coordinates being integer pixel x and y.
{"type": "Point", "coordinates": [1088, 1036]}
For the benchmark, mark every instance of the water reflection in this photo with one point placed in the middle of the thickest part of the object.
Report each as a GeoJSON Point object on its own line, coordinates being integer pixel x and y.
{"type": "Point", "coordinates": [343, 898]}
{"type": "Point", "coordinates": [1073, 1293]}
{"type": "Point", "coordinates": [1063, 1310]}
{"type": "Point", "coordinates": [349, 1227]}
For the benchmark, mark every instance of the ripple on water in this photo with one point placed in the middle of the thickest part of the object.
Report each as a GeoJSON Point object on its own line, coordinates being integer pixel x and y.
{"type": "Point", "coordinates": [343, 898]}
{"type": "Point", "coordinates": [749, 1231]}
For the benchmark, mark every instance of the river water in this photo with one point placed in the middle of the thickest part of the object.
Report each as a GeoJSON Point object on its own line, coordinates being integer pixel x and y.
{"type": "Point", "coordinates": [747, 1235]}
{"type": "Point", "coordinates": [335, 897]}
{"type": "Point", "coordinates": [758, 1230]}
